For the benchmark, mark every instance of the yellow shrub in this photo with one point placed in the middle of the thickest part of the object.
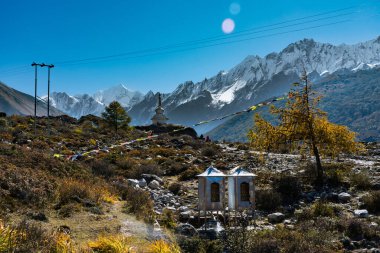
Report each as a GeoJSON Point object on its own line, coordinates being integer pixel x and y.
{"type": "Point", "coordinates": [161, 246]}
{"type": "Point", "coordinates": [112, 244]}
{"type": "Point", "coordinates": [64, 244]}
{"type": "Point", "coordinates": [6, 237]}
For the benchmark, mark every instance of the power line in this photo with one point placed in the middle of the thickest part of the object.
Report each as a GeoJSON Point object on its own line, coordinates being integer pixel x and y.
{"type": "Point", "coordinates": [215, 38]}
{"type": "Point", "coordinates": [211, 45]}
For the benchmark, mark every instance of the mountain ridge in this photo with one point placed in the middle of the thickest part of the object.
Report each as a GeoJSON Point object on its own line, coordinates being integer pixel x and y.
{"type": "Point", "coordinates": [258, 78]}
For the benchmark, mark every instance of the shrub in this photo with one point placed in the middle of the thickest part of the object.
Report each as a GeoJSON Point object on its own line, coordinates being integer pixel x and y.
{"type": "Point", "coordinates": [173, 168]}
{"type": "Point", "coordinates": [68, 210]}
{"type": "Point", "coordinates": [3, 123]}
{"type": "Point", "coordinates": [336, 173]}
{"type": "Point", "coordinates": [81, 191]}
{"type": "Point", "coordinates": [175, 188]}
{"type": "Point", "coordinates": [167, 219]}
{"type": "Point", "coordinates": [195, 244]}
{"type": "Point", "coordinates": [102, 168]}
{"type": "Point", "coordinates": [360, 180]}
{"type": "Point", "coordinates": [289, 187]}
{"type": "Point", "coordinates": [138, 203]}
{"type": "Point", "coordinates": [267, 199]}
{"type": "Point", "coordinates": [147, 167]}
{"type": "Point", "coordinates": [322, 209]}
{"type": "Point", "coordinates": [29, 237]}
{"type": "Point", "coordinates": [190, 173]}
{"type": "Point", "coordinates": [209, 151]}
{"type": "Point", "coordinates": [161, 246]}
{"type": "Point", "coordinates": [372, 202]}
{"type": "Point", "coordinates": [355, 230]}
{"type": "Point", "coordinates": [114, 244]}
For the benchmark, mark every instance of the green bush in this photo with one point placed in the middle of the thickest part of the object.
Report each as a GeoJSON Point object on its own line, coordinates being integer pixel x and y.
{"type": "Point", "coordinates": [175, 188]}
{"type": "Point", "coordinates": [372, 202]}
{"type": "Point", "coordinates": [209, 151]}
{"type": "Point", "coordinates": [322, 209]}
{"type": "Point", "coordinates": [336, 173]}
{"type": "Point", "coordinates": [167, 219]}
{"type": "Point", "coordinates": [3, 124]}
{"type": "Point", "coordinates": [198, 245]}
{"type": "Point", "coordinates": [138, 203]}
{"type": "Point", "coordinates": [289, 187]}
{"type": "Point", "coordinates": [360, 180]}
{"type": "Point", "coordinates": [267, 199]}
{"type": "Point", "coordinates": [190, 173]}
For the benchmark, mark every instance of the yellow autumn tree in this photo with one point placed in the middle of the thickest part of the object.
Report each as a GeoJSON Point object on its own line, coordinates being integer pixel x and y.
{"type": "Point", "coordinates": [302, 123]}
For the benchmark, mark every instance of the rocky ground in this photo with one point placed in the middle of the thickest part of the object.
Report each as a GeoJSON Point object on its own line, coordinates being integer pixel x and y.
{"type": "Point", "coordinates": [149, 188]}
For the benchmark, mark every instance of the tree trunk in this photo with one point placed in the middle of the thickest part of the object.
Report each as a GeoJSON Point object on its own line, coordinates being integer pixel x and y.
{"type": "Point", "coordinates": [319, 166]}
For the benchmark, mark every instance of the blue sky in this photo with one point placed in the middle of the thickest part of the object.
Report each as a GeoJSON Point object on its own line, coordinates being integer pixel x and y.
{"type": "Point", "coordinates": [53, 31]}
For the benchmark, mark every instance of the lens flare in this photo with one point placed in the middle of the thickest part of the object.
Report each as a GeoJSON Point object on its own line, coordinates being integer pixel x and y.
{"type": "Point", "coordinates": [228, 26]}
{"type": "Point", "coordinates": [234, 8]}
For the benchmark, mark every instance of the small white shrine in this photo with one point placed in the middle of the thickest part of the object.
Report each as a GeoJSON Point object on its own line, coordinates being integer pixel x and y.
{"type": "Point", "coordinates": [211, 190]}
{"type": "Point", "coordinates": [159, 118]}
{"type": "Point", "coordinates": [241, 189]}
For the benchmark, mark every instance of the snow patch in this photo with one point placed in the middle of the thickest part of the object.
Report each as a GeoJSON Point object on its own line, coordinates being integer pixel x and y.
{"type": "Point", "coordinates": [228, 95]}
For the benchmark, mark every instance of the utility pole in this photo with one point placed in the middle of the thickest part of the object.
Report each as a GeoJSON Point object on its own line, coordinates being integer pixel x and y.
{"type": "Point", "coordinates": [35, 94]}
{"type": "Point", "coordinates": [48, 102]}
{"type": "Point", "coordinates": [35, 65]}
{"type": "Point", "coordinates": [48, 98]}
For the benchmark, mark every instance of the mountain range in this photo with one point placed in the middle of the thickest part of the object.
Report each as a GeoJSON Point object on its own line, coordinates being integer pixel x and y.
{"type": "Point", "coordinates": [253, 80]}
{"type": "Point", "coordinates": [350, 98]}
{"type": "Point", "coordinates": [256, 79]}
{"type": "Point", "coordinates": [84, 104]}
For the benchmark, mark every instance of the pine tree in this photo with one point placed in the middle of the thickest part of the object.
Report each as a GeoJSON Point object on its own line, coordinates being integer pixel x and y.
{"type": "Point", "coordinates": [116, 116]}
{"type": "Point", "coordinates": [303, 124]}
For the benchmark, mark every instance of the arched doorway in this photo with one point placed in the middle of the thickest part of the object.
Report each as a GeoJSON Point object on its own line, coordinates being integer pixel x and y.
{"type": "Point", "coordinates": [215, 192]}
{"type": "Point", "coordinates": [244, 191]}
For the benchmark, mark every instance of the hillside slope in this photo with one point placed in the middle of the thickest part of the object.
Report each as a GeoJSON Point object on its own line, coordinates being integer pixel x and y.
{"type": "Point", "coordinates": [349, 98]}
{"type": "Point", "coordinates": [15, 102]}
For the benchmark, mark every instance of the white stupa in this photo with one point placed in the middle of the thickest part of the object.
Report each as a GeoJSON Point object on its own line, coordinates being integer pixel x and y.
{"type": "Point", "coordinates": [159, 118]}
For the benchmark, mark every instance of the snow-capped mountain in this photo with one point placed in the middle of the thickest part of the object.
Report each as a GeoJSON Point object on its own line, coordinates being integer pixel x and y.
{"type": "Point", "coordinates": [256, 79]}
{"type": "Point", "coordinates": [80, 105]}
{"type": "Point", "coordinates": [120, 93]}
{"type": "Point", "coordinates": [76, 106]}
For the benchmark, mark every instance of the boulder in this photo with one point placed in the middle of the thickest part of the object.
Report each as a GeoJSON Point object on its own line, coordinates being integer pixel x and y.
{"type": "Point", "coordinates": [344, 197]}
{"type": "Point", "coordinates": [183, 208]}
{"type": "Point", "coordinates": [361, 213]}
{"type": "Point", "coordinates": [185, 215]}
{"type": "Point", "coordinates": [132, 182]}
{"type": "Point", "coordinates": [154, 184]}
{"type": "Point", "coordinates": [142, 183]}
{"type": "Point", "coordinates": [151, 177]}
{"type": "Point", "coordinates": [276, 217]}
{"type": "Point", "coordinates": [186, 229]}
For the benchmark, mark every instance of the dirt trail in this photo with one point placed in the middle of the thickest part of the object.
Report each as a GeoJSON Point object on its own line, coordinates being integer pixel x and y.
{"type": "Point", "coordinates": [85, 226]}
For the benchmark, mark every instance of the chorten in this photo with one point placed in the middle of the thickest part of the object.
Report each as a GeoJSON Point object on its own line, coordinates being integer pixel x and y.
{"type": "Point", "coordinates": [159, 118]}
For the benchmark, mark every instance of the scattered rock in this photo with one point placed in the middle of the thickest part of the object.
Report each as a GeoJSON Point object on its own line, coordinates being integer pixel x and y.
{"type": "Point", "coordinates": [276, 217]}
{"type": "Point", "coordinates": [186, 229]}
{"type": "Point", "coordinates": [151, 177]}
{"type": "Point", "coordinates": [185, 215]}
{"type": "Point", "coordinates": [64, 229]}
{"type": "Point", "coordinates": [344, 197]}
{"type": "Point", "coordinates": [154, 184]}
{"type": "Point", "coordinates": [133, 182]}
{"type": "Point", "coordinates": [361, 213]}
{"type": "Point", "coordinates": [142, 183]}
